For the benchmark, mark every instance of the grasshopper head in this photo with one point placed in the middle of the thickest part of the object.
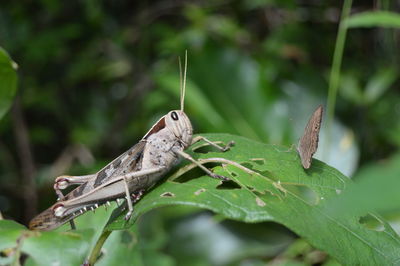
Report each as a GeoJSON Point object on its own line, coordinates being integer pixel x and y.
{"type": "Point", "coordinates": [179, 124]}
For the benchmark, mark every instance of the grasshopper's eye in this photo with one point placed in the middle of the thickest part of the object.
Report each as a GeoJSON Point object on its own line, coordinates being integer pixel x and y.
{"type": "Point", "coordinates": [174, 116]}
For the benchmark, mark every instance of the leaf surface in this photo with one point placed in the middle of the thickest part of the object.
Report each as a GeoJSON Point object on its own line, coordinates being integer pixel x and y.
{"type": "Point", "coordinates": [374, 19]}
{"type": "Point", "coordinates": [268, 183]}
{"type": "Point", "coordinates": [43, 248]}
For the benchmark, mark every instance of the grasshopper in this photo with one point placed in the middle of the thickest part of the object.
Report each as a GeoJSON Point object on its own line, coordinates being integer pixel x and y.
{"type": "Point", "coordinates": [129, 175]}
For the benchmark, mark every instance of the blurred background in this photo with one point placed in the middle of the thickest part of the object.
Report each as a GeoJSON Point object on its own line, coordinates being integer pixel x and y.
{"type": "Point", "coordinates": [95, 75]}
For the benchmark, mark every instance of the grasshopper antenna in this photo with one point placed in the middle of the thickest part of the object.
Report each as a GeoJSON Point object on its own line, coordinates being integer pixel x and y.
{"type": "Point", "coordinates": [183, 82]}
{"type": "Point", "coordinates": [180, 79]}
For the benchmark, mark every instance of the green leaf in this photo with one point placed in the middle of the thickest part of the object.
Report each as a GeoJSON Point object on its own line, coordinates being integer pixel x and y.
{"type": "Point", "coordinates": [374, 19]}
{"type": "Point", "coordinates": [379, 83]}
{"type": "Point", "coordinates": [54, 248]}
{"type": "Point", "coordinates": [376, 189]}
{"type": "Point", "coordinates": [200, 239]}
{"type": "Point", "coordinates": [350, 89]}
{"type": "Point", "coordinates": [121, 248]}
{"type": "Point", "coordinates": [44, 248]}
{"type": "Point", "coordinates": [9, 233]}
{"type": "Point", "coordinates": [271, 185]}
{"type": "Point", "coordinates": [8, 81]}
{"type": "Point", "coordinates": [142, 244]}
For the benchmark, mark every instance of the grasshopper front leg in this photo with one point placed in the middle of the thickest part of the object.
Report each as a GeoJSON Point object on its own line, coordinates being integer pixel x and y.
{"type": "Point", "coordinates": [205, 169]}
{"type": "Point", "coordinates": [223, 149]}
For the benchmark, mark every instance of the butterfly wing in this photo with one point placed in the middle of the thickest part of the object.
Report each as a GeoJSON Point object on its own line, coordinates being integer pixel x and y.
{"type": "Point", "coordinates": [308, 143]}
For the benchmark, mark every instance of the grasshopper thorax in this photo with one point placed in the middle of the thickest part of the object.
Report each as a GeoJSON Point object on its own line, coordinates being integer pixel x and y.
{"type": "Point", "coordinates": [177, 123]}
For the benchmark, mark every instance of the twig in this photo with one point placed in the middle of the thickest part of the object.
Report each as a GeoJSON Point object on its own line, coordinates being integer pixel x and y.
{"type": "Point", "coordinates": [28, 169]}
{"type": "Point", "coordinates": [334, 78]}
{"type": "Point", "coordinates": [94, 255]}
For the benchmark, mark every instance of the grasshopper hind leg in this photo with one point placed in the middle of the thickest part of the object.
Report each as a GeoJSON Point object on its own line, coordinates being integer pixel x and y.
{"type": "Point", "coordinates": [131, 199]}
{"type": "Point", "coordinates": [128, 200]}
{"type": "Point", "coordinates": [64, 181]}
{"type": "Point", "coordinates": [134, 197]}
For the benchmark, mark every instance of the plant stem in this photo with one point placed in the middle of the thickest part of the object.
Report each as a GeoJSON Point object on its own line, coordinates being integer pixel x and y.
{"type": "Point", "coordinates": [97, 248]}
{"type": "Point", "coordinates": [26, 157]}
{"type": "Point", "coordinates": [334, 77]}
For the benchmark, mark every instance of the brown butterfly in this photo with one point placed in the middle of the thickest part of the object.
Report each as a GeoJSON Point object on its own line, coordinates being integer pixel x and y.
{"type": "Point", "coordinates": [308, 143]}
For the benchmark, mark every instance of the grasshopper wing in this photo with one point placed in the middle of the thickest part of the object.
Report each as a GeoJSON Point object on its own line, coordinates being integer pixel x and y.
{"type": "Point", "coordinates": [129, 161]}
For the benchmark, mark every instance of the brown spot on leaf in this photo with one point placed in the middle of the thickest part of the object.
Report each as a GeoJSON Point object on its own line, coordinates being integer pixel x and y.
{"type": "Point", "coordinates": [167, 195]}
{"type": "Point", "coordinates": [228, 185]}
{"type": "Point", "coordinates": [201, 190]}
{"type": "Point", "coordinates": [259, 161]}
{"type": "Point", "coordinates": [260, 202]}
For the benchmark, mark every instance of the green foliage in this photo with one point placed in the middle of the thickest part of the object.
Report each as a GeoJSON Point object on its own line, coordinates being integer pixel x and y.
{"type": "Point", "coordinates": [375, 189]}
{"type": "Point", "coordinates": [376, 86]}
{"type": "Point", "coordinates": [94, 75]}
{"type": "Point", "coordinates": [8, 81]}
{"type": "Point", "coordinates": [268, 184]}
{"type": "Point", "coordinates": [374, 19]}
{"type": "Point", "coordinates": [277, 189]}
{"type": "Point", "coordinates": [48, 248]}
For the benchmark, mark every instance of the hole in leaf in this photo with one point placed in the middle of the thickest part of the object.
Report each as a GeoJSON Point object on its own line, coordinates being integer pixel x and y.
{"type": "Point", "coordinates": [371, 223]}
{"type": "Point", "coordinates": [234, 174]}
{"type": "Point", "coordinates": [167, 195]}
{"type": "Point", "coordinates": [266, 173]}
{"type": "Point", "coordinates": [194, 173]}
{"type": "Point", "coordinates": [247, 165]}
{"type": "Point", "coordinates": [259, 161]}
{"type": "Point", "coordinates": [228, 185]}
{"type": "Point", "coordinates": [260, 202]}
{"type": "Point", "coordinates": [198, 192]}
{"type": "Point", "coordinates": [250, 188]}
{"type": "Point", "coordinates": [206, 148]}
